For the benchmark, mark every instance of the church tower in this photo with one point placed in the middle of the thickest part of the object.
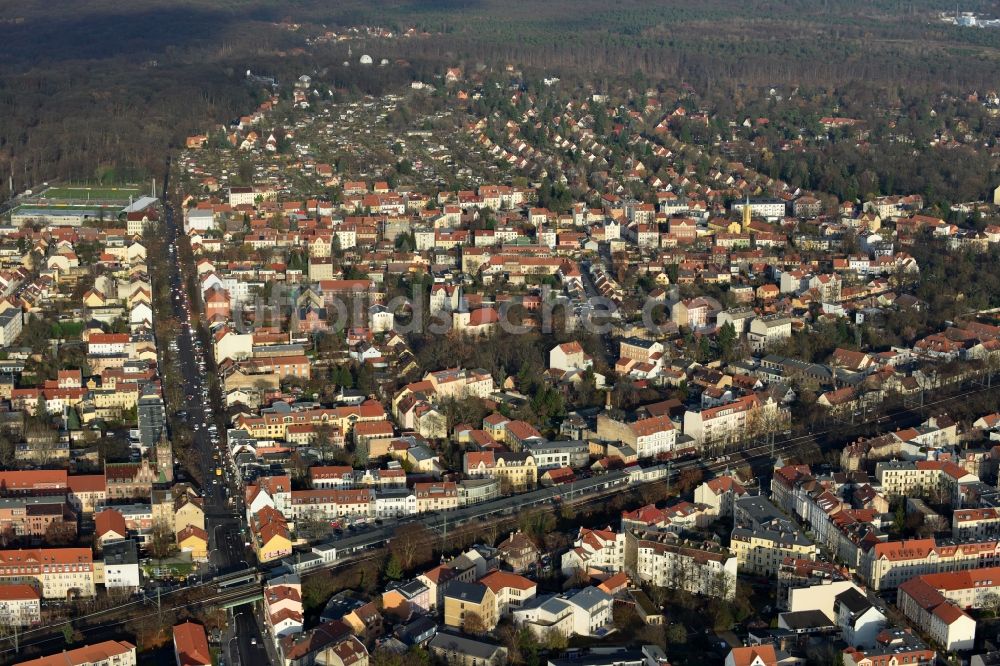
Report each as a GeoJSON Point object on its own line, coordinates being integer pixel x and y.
{"type": "Point", "coordinates": [164, 456]}
{"type": "Point", "coordinates": [747, 215]}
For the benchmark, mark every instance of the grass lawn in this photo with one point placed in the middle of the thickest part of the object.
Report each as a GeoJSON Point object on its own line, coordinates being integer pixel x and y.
{"type": "Point", "coordinates": [77, 192]}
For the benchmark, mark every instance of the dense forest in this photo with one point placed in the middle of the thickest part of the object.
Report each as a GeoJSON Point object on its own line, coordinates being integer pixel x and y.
{"type": "Point", "coordinates": [103, 89]}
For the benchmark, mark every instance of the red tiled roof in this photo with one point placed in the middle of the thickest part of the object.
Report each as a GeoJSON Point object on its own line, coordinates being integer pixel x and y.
{"type": "Point", "coordinates": [110, 521]}
{"type": "Point", "coordinates": [18, 592]}
{"type": "Point", "coordinates": [191, 645]}
{"type": "Point", "coordinates": [496, 580]}
{"type": "Point", "coordinates": [97, 653]}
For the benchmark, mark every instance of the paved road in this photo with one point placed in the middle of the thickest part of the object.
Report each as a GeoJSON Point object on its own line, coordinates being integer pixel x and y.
{"type": "Point", "coordinates": [247, 640]}
{"type": "Point", "coordinates": [226, 532]}
{"type": "Point", "coordinates": [222, 521]}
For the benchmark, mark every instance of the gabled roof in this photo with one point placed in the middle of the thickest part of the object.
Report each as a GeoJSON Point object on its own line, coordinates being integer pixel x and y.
{"type": "Point", "coordinates": [758, 655]}
{"type": "Point", "coordinates": [95, 653]}
{"type": "Point", "coordinates": [191, 645]}
{"type": "Point", "coordinates": [110, 521]}
{"type": "Point", "coordinates": [497, 580]}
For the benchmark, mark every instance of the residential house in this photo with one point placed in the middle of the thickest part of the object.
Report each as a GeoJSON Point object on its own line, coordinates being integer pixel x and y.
{"type": "Point", "coordinates": [519, 552]}
{"type": "Point", "coordinates": [191, 645]}
{"type": "Point", "coordinates": [461, 650]}
{"type": "Point", "coordinates": [471, 607]}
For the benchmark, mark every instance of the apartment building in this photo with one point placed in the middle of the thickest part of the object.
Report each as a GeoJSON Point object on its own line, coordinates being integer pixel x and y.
{"type": "Point", "coordinates": [729, 423]}
{"type": "Point", "coordinates": [888, 565]}
{"type": "Point", "coordinates": [395, 503]}
{"type": "Point", "coordinates": [330, 503]}
{"type": "Point", "coordinates": [766, 332]}
{"type": "Point", "coordinates": [40, 517]}
{"type": "Point", "coordinates": [893, 647]}
{"type": "Point", "coordinates": [569, 356]}
{"type": "Point", "coordinates": [664, 560]}
{"type": "Point", "coordinates": [274, 424]}
{"type": "Point", "coordinates": [460, 383]}
{"type": "Point", "coordinates": [191, 645]}
{"type": "Point", "coordinates": [719, 494]}
{"type": "Point", "coordinates": [648, 437]}
{"type": "Point", "coordinates": [272, 539]}
{"type": "Point", "coordinates": [518, 434]}
{"type": "Point", "coordinates": [764, 537]}
{"type": "Point", "coordinates": [904, 478]}
{"type": "Point", "coordinates": [33, 482]}
{"type": "Point", "coordinates": [551, 455]}
{"type": "Point", "coordinates": [106, 653]}
{"type": "Point", "coordinates": [771, 209]}
{"type": "Point", "coordinates": [11, 323]}
{"type": "Point", "coordinates": [436, 496]}
{"type": "Point", "coordinates": [761, 550]}
{"type": "Point", "coordinates": [471, 607]}
{"type": "Point", "coordinates": [403, 600]}
{"type": "Point", "coordinates": [595, 550]}
{"type": "Point", "coordinates": [510, 590]}
{"type": "Point", "coordinates": [86, 491]}
{"type": "Point", "coordinates": [283, 601]}
{"type": "Point", "coordinates": [639, 350]}
{"type": "Point", "coordinates": [516, 471]}
{"type": "Point", "coordinates": [936, 604]}
{"type": "Point", "coordinates": [20, 605]}
{"type": "Point", "coordinates": [975, 523]}
{"type": "Point", "coordinates": [343, 476]}
{"type": "Point", "coordinates": [585, 613]}
{"type": "Point", "coordinates": [61, 573]}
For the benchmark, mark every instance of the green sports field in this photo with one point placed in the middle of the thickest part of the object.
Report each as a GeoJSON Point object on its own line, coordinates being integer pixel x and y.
{"type": "Point", "coordinates": [101, 193]}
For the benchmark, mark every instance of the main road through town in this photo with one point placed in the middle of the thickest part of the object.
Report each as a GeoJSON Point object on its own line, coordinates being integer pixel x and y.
{"type": "Point", "coordinates": [228, 537]}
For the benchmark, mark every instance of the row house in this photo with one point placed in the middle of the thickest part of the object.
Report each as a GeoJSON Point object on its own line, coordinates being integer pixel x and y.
{"type": "Point", "coordinates": [274, 424]}
{"type": "Point", "coordinates": [834, 523]}
{"type": "Point", "coordinates": [348, 477]}
{"type": "Point", "coordinates": [329, 503]}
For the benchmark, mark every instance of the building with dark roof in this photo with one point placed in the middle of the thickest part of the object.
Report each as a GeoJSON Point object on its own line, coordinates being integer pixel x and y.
{"type": "Point", "coordinates": [464, 651]}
